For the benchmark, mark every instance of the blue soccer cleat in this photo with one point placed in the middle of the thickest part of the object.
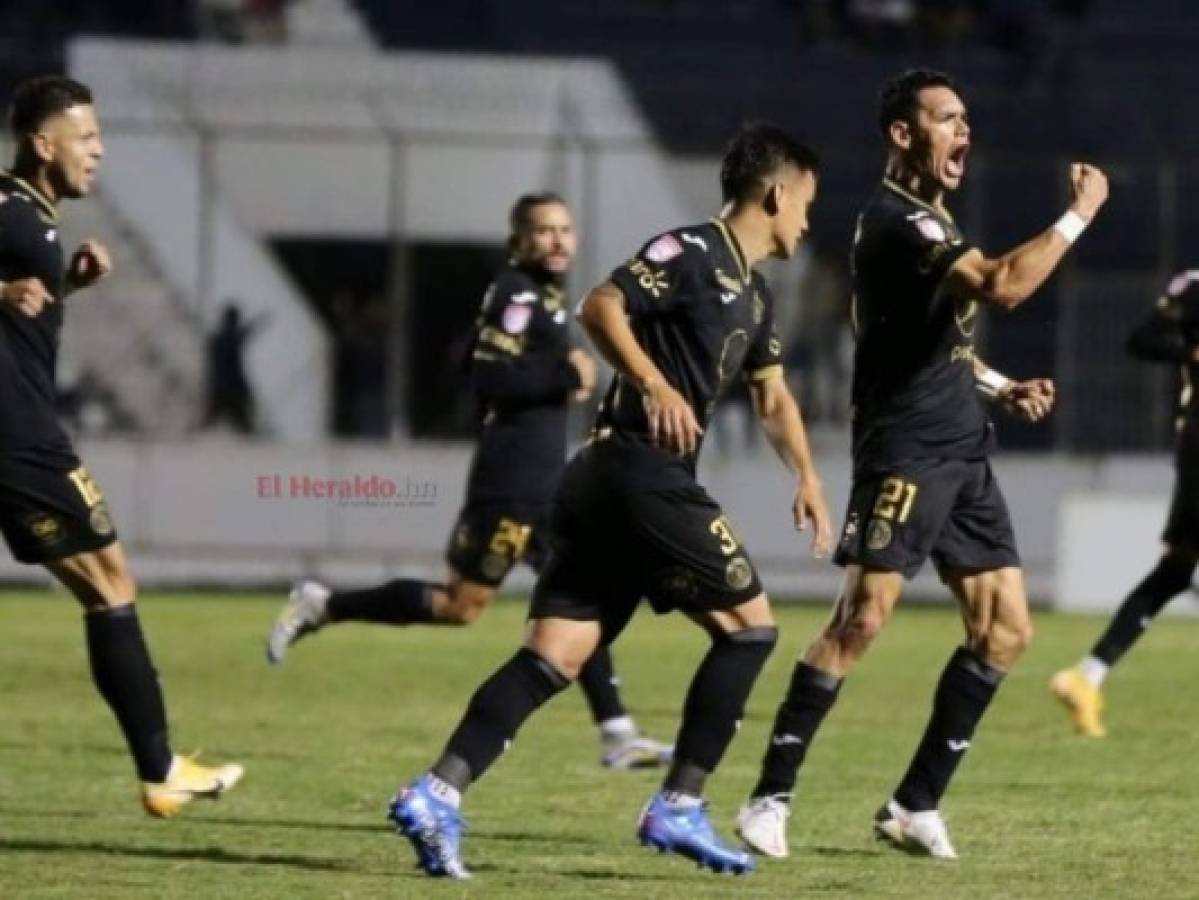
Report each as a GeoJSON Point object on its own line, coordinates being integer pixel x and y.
{"type": "Point", "coordinates": [433, 826]}
{"type": "Point", "coordinates": [685, 830]}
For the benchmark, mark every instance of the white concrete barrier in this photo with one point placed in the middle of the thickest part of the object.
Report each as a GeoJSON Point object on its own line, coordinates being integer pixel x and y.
{"type": "Point", "coordinates": [1106, 544]}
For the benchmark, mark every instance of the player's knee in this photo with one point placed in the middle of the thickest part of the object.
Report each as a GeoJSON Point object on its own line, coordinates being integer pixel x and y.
{"type": "Point", "coordinates": [464, 606]}
{"type": "Point", "coordinates": [863, 622]}
{"type": "Point", "coordinates": [1006, 642]}
{"type": "Point", "coordinates": [860, 630]}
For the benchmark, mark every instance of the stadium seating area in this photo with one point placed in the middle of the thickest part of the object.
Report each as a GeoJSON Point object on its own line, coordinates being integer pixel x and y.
{"type": "Point", "coordinates": [698, 67]}
{"type": "Point", "coordinates": [1038, 98]}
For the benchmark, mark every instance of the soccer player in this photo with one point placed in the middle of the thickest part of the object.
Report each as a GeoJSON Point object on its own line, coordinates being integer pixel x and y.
{"type": "Point", "coordinates": [524, 372]}
{"type": "Point", "coordinates": [922, 483]}
{"type": "Point", "coordinates": [1170, 334]}
{"type": "Point", "coordinates": [678, 323]}
{"type": "Point", "coordinates": [52, 512]}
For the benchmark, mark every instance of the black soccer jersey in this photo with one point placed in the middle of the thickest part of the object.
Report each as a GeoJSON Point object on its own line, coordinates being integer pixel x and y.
{"type": "Point", "coordinates": [703, 317]}
{"type": "Point", "coordinates": [1171, 334]}
{"type": "Point", "coordinates": [913, 384]}
{"type": "Point", "coordinates": [29, 248]}
{"type": "Point", "coordinates": [522, 378]}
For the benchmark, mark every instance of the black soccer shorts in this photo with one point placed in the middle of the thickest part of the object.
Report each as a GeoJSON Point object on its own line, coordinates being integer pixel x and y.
{"type": "Point", "coordinates": [50, 513]}
{"type": "Point", "coordinates": [1182, 524]}
{"type": "Point", "coordinates": [950, 509]}
{"type": "Point", "coordinates": [491, 537]}
{"type": "Point", "coordinates": [611, 547]}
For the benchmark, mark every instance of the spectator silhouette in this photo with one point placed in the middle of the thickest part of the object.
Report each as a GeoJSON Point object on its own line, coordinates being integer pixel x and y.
{"type": "Point", "coordinates": [230, 395]}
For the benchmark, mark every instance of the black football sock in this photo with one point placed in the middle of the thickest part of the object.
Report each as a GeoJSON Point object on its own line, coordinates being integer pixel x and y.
{"type": "Point", "coordinates": [601, 687]}
{"type": "Point", "coordinates": [400, 602]}
{"type": "Point", "coordinates": [809, 698]}
{"type": "Point", "coordinates": [963, 693]}
{"type": "Point", "coordinates": [125, 677]}
{"type": "Point", "coordinates": [497, 710]}
{"type": "Point", "coordinates": [1171, 577]}
{"type": "Point", "coordinates": [714, 706]}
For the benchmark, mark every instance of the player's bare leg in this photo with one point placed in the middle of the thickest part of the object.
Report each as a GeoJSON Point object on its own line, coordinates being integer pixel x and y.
{"type": "Point", "coordinates": [863, 607]}
{"type": "Point", "coordinates": [1079, 687]}
{"type": "Point", "coordinates": [125, 677]}
{"type": "Point", "coordinates": [998, 626]}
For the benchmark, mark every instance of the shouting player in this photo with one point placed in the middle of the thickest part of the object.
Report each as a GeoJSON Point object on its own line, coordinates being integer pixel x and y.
{"type": "Point", "coordinates": [52, 512]}
{"type": "Point", "coordinates": [1170, 334]}
{"type": "Point", "coordinates": [922, 482]}
{"type": "Point", "coordinates": [678, 323]}
{"type": "Point", "coordinates": [524, 372]}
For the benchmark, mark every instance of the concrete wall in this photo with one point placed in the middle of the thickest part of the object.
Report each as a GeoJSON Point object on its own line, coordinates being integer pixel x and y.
{"type": "Point", "coordinates": [218, 511]}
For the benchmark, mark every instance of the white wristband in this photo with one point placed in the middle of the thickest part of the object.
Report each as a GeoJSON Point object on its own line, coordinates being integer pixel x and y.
{"type": "Point", "coordinates": [1070, 226]}
{"type": "Point", "coordinates": [991, 384]}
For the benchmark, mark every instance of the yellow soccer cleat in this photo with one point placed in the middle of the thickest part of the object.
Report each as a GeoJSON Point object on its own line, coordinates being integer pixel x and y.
{"type": "Point", "coordinates": [1083, 699]}
{"type": "Point", "coordinates": [187, 781]}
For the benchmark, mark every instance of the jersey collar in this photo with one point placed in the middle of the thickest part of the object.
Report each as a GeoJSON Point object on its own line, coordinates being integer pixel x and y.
{"type": "Point", "coordinates": [734, 248]}
{"type": "Point", "coordinates": [44, 205]}
{"type": "Point", "coordinates": [908, 195]}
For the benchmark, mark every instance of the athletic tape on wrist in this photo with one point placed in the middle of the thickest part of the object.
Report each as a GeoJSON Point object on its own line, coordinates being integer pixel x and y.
{"type": "Point", "coordinates": [1070, 226]}
{"type": "Point", "coordinates": [991, 383]}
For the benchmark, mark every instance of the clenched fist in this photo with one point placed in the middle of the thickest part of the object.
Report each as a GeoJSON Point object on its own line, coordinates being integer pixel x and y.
{"type": "Point", "coordinates": [1088, 189]}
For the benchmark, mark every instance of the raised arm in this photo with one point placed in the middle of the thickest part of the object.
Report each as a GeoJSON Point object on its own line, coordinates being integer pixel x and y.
{"type": "Point", "coordinates": [1010, 279]}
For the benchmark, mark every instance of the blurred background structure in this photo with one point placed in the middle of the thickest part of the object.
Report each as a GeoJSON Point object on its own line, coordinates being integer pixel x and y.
{"type": "Point", "coordinates": [344, 167]}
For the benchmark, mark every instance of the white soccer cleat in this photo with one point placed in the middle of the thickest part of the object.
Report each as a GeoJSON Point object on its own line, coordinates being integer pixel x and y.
{"type": "Point", "coordinates": [303, 613]}
{"type": "Point", "coordinates": [915, 832]}
{"type": "Point", "coordinates": [762, 825]}
{"type": "Point", "coordinates": [633, 751]}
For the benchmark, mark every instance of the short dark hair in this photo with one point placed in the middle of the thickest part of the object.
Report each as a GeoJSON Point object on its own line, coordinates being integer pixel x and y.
{"type": "Point", "coordinates": [519, 218]}
{"type": "Point", "coordinates": [757, 151]}
{"type": "Point", "coordinates": [899, 97]}
{"type": "Point", "coordinates": [38, 99]}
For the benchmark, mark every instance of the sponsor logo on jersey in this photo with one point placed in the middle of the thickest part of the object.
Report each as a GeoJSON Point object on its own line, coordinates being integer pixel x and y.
{"type": "Point", "coordinates": [652, 280]}
{"type": "Point", "coordinates": [45, 528]}
{"type": "Point", "coordinates": [515, 319]}
{"type": "Point", "coordinates": [664, 249]}
{"type": "Point", "coordinates": [524, 297]}
{"type": "Point", "coordinates": [495, 565]}
{"type": "Point", "coordinates": [738, 573]}
{"type": "Point", "coordinates": [878, 535]}
{"type": "Point", "coordinates": [931, 229]}
{"type": "Point", "coordinates": [1180, 282]}
{"type": "Point", "coordinates": [100, 520]}
{"type": "Point", "coordinates": [52, 235]}
{"type": "Point", "coordinates": [698, 241]}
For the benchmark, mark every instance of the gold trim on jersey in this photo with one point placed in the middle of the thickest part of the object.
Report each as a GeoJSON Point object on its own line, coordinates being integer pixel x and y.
{"type": "Point", "coordinates": [738, 255]}
{"type": "Point", "coordinates": [938, 210]}
{"type": "Point", "coordinates": [765, 373]}
{"type": "Point", "coordinates": [46, 209]}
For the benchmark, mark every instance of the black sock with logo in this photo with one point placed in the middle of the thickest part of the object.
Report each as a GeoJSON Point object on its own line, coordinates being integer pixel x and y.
{"type": "Point", "coordinates": [809, 698]}
{"type": "Point", "coordinates": [963, 694]}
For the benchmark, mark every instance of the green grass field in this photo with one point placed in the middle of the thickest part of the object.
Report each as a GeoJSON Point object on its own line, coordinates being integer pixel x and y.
{"type": "Point", "coordinates": [1034, 812]}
